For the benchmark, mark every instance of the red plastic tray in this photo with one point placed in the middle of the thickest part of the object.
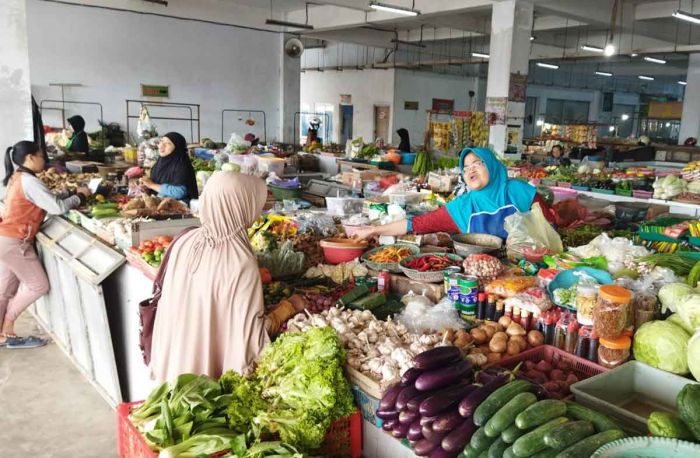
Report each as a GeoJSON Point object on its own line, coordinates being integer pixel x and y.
{"type": "Point", "coordinates": [343, 440]}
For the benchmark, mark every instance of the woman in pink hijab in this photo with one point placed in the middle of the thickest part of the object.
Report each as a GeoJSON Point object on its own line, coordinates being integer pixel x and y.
{"type": "Point", "coordinates": [211, 315]}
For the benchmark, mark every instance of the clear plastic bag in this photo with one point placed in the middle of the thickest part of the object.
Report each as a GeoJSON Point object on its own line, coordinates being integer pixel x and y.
{"type": "Point", "coordinates": [530, 236]}
{"type": "Point", "coordinates": [145, 127]}
{"type": "Point", "coordinates": [419, 317]}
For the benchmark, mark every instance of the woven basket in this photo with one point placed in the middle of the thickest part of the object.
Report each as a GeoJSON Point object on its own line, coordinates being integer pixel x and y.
{"type": "Point", "coordinates": [430, 277]}
{"type": "Point", "coordinates": [390, 266]}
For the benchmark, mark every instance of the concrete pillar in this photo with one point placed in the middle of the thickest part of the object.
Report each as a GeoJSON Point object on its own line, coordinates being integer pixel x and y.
{"type": "Point", "coordinates": [15, 86]}
{"type": "Point", "coordinates": [290, 92]}
{"type": "Point", "coordinates": [596, 106]}
{"type": "Point", "coordinates": [511, 27]}
{"type": "Point", "coordinates": [690, 120]}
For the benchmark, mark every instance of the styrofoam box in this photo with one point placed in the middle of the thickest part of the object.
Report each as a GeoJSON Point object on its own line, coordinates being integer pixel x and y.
{"type": "Point", "coordinates": [630, 392]}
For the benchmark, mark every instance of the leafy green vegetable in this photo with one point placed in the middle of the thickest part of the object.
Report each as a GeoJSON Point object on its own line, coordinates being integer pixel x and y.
{"type": "Point", "coordinates": [694, 355]}
{"type": "Point", "coordinates": [672, 294]}
{"type": "Point", "coordinates": [201, 444]}
{"type": "Point", "coordinates": [664, 424]}
{"type": "Point", "coordinates": [688, 406]}
{"type": "Point", "coordinates": [283, 261]}
{"type": "Point", "coordinates": [680, 265]}
{"type": "Point", "coordinates": [662, 345]}
{"type": "Point", "coordinates": [689, 311]}
{"type": "Point", "coordinates": [678, 321]}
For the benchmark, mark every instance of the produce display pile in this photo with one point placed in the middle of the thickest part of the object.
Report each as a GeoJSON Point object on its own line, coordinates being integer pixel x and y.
{"type": "Point", "coordinates": [152, 251]}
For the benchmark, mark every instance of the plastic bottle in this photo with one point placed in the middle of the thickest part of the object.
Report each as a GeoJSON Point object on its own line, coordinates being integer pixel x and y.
{"type": "Point", "coordinates": [499, 310]}
{"type": "Point", "coordinates": [481, 306]}
{"type": "Point", "coordinates": [491, 307]}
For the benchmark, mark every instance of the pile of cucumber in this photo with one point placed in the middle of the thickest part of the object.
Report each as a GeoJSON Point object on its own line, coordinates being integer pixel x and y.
{"type": "Point", "coordinates": [104, 210]}
{"type": "Point", "coordinates": [514, 424]}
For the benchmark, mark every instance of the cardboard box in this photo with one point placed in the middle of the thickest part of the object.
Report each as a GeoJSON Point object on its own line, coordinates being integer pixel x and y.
{"type": "Point", "coordinates": [365, 175]}
{"type": "Point", "coordinates": [441, 183]}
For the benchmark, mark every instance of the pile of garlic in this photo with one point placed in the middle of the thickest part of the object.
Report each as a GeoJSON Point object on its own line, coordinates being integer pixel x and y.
{"type": "Point", "coordinates": [381, 350]}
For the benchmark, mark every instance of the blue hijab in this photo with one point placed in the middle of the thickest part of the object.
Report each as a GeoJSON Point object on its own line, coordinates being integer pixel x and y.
{"type": "Point", "coordinates": [496, 196]}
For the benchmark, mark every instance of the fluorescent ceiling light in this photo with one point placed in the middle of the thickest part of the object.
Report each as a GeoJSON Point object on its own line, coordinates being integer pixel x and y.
{"type": "Point", "coordinates": [682, 83]}
{"type": "Point", "coordinates": [609, 50]}
{"type": "Point", "coordinates": [532, 38]}
{"type": "Point", "coordinates": [668, 124]}
{"type": "Point", "coordinates": [540, 122]}
{"type": "Point", "coordinates": [544, 65]}
{"type": "Point", "coordinates": [592, 48]}
{"type": "Point", "coordinates": [611, 128]}
{"type": "Point", "coordinates": [296, 25]}
{"type": "Point", "coordinates": [634, 54]}
{"type": "Point", "coordinates": [646, 78]}
{"type": "Point", "coordinates": [678, 14]}
{"type": "Point", "coordinates": [393, 9]}
{"type": "Point", "coordinates": [625, 117]}
{"type": "Point", "coordinates": [604, 73]}
{"type": "Point", "coordinates": [480, 54]}
{"type": "Point", "coordinates": [654, 60]}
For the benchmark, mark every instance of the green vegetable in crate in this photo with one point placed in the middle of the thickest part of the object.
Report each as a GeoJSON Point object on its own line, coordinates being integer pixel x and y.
{"type": "Point", "coordinates": [533, 442]}
{"type": "Point", "coordinates": [369, 302]}
{"type": "Point", "coordinates": [688, 406]}
{"type": "Point", "coordinates": [565, 435]}
{"type": "Point", "coordinates": [504, 417]}
{"type": "Point", "coordinates": [694, 275]}
{"type": "Point", "coordinates": [540, 413]}
{"type": "Point", "coordinates": [586, 447]}
{"type": "Point", "coordinates": [600, 421]}
{"type": "Point", "coordinates": [498, 399]}
{"type": "Point", "coordinates": [354, 294]}
{"type": "Point", "coordinates": [665, 424]}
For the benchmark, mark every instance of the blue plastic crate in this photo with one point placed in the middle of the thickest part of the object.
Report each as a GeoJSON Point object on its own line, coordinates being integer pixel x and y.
{"type": "Point", "coordinates": [368, 406]}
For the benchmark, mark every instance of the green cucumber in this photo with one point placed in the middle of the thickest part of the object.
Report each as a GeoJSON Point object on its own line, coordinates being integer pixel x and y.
{"type": "Point", "coordinates": [480, 441]}
{"type": "Point", "coordinates": [504, 417]}
{"type": "Point", "coordinates": [540, 413]}
{"type": "Point", "coordinates": [369, 302]}
{"type": "Point", "coordinates": [546, 453]}
{"type": "Point", "coordinates": [508, 453]}
{"type": "Point", "coordinates": [694, 275]}
{"type": "Point", "coordinates": [563, 436]}
{"type": "Point", "coordinates": [484, 454]}
{"type": "Point", "coordinates": [497, 448]}
{"type": "Point", "coordinates": [470, 452]}
{"type": "Point", "coordinates": [354, 294]}
{"type": "Point", "coordinates": [586, 447]}
{"type": "Point", "coordinates": [498, 399]}
{"type": "Point", "coordinates": [512, 433]}
{"type": "Point", "coordinates": [600, 421]}
{"type": "Point", "coordinates": [533, 442]}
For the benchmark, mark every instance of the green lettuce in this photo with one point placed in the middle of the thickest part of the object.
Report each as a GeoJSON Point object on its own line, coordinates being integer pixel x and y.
{"type": "Point", "coordinates": [694, 355]}
{"type": "Point", "coordinates": [664, 424]}
{"type": "Point", "coordinates": [663, 345]}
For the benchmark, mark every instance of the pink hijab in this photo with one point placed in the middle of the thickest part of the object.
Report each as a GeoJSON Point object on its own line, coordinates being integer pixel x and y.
{"type": "Point", "coordinates": [211, 314]}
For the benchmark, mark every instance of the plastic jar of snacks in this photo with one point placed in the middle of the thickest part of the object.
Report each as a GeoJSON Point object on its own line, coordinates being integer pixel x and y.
{"type": "Point", "coordinates": [611, 311]}
{"type": "Point", "coordinates": [613, 352]}
{"type": "Point", "coordinates": [586, 296]}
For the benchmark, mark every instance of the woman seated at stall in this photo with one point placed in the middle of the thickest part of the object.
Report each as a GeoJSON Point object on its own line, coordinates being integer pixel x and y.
{"type": "Point", "coordinates": [173, 175]}
{"type": "Point", "coordinates": [211, 315]}
{"type": "Point", "coordinates": [491, 197]}
{"type": "Point", "coordinates": [405, 143]}
{"type": "Point", "coordinates": [78, 142]}
{"type": "Point", "coordinates": [556, 157]}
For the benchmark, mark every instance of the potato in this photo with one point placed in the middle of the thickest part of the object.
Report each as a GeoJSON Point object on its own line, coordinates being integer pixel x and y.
{"type": "Point", "coordinates": [493, 357]}
{"type": "Point", "coordinates": [500, 335]}
{"type": "Point", "coordinates": [514, 329]}
{"type": "Point", "coordinates": [521, 341]}
{"type": "Point", "coordinates": [504, 321]}
{"type": "Point", "coordinates": [463, 341]}
{"type": "Point", "coordinates": [462, 334]}
{"type": "Point", "coordinates": [498, 345]}
{"type": "Point", "coordinates": [535, 338]}
{"type": "Point", "coordinates": [512, 348]}
{"type": "Point", "coordinates": [489, 330]}
{"type": "Point", "coordinates": [479, 336]}
{"type": "Point", "coordinates": [485, 348]}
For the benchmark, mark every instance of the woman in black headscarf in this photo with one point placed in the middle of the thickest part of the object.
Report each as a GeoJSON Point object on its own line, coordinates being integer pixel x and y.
{"type": "Point", "coordinates": [173, 175]}
{"type": "Point", "coordinates": [79, 140]}
{"type": "Point", "coordinates": [405, 145]}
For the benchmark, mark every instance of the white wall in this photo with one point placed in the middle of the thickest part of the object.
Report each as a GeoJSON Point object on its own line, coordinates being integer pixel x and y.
{"type": "Point", "coordinates": [542, 93]}
{"type": "Point", "coordinates": [112, 52]}
{"type": "Point", "coordinates": [423, 87]}
{"type": "Point", "coordinates": [16, 112]}
{"type": "Point", "coordinates": [367, 88]}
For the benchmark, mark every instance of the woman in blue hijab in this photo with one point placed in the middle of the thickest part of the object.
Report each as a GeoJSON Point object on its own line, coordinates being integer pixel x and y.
{"type": "Point", "coordinates": [491, 197]}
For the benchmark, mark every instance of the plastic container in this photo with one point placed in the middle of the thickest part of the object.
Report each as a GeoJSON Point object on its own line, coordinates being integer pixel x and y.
{"type": "Point", "coordinates": [586, 297]}
{"type": "Point", "coordinates": [341, 206]}
{"type": "Point", "coordinates": [408, 158]}
{"type": "Point", "coordinates": [285, 193]}
{"type": "Point", "coordinates": [630, 393]}
{"type": "Point", "coordinates": [271, 164]}
{"type": "Point", "coordinates": [611, 311]}
{"type": "Point", "coordinates": [338, 251]}
{"type": "Point", "coordinates": [613, 352]}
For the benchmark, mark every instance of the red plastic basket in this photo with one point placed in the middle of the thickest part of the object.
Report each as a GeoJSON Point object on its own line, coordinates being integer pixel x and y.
{"type": "Point", "coordinates": [343, 440]}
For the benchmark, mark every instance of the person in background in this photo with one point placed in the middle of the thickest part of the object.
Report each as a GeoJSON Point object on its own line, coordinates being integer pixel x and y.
{"type": "Point", "coordinates": [38, 129]}
{"type": "Point", "coordinates": [556, 157]}
{"type": "Point", "coordinates": [173, 175]}
{"type": "Point", "coordinates": [490, 199]}
{"type": "Point", "coordinates": [405, 143]}
{"type": "Point", "coordinates": [252, 139]}
{"type": "Point", "coordinates": [211, 314]}
{"type": "Point", "coordinates": [28, 200]}
{"type": "Point", "coordinates": [78, 142]}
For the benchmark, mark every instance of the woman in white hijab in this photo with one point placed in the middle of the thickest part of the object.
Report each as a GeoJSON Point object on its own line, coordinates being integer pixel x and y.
{"type": "Point", "coordinates": [211, 315]}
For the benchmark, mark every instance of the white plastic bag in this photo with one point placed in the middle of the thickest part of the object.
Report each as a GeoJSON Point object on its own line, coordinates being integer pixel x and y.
{"type": "Point", "coordinates": [419, 317]}
{"type": "Point", "coordinates": [530, 235]}
{"type": "Point", "coordinates": [145, 127]}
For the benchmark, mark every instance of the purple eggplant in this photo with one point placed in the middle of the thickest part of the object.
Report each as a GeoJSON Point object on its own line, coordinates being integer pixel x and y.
{"type": "Point", "coordinates": [437, 357]}
{"type": "Point", "coordinates": [400, 431]}
{"type": "Point", "coordinates": [431, 435]}
{"type": "Point", "coordinates": [447, 422]}
{"type": "Point", "coordinates": [459, 437]}
{"type": "Point", "coordinates": [406, 416]}
{"type": "Point", "coordinates": [486, 375]}
{"type": "Point", "coordinates": [389, 399]}
{"type": "Point", "coordinates": [425, 447]}
{"type": "Point", "coordinates": [410, 376]}
{"type": "Point", "coordinates": [445, 399]}
{"type": "Point", "coordinates": [415, 431]}
{"type": "Point", "coordinates": [415, 402]}
{"type": "Point", "coordinates": [440, 452]}
{"type": "Point", "coordinates": [476, 397]}
{"type": "Point", "coordinates": [390, 424]}
{"type": "Point", "coordinates": [427, 420]}
{"type": "Point", "coordinates": [440, 378]}
{"type": "Point", "coordinates": [406, 394]}
{"type": "Point", "coordinates": [388, 414]}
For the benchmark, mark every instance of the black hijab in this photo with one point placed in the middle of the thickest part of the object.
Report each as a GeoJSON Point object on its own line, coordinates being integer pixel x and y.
{"type": "Point", "coordinates": [176, 168]}
{"type": "Point", "coordinates": [80, 142]}
{"type": "Point", "coordinates": [405, 145]}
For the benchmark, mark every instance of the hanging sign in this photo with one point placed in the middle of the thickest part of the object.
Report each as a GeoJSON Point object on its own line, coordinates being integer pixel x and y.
{"type": "Point", "coordinates": [518, 88]}
{"type": "Point", "coordinates": [346, 99]}
{"type": "Point", "coordinates": [148, 90]}
{"type": "Point", "coordinates": [410, 105]}
{"type": "Point", "coordinates": [496, 110]}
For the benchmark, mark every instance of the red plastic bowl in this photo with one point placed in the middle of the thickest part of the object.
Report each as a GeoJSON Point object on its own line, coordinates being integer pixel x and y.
{"type": "Point", "coordinates": [338, 251]}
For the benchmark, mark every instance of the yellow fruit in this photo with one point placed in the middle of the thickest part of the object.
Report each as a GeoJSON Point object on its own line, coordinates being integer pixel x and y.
{"type": "Point", "coordinates": [100, 198]}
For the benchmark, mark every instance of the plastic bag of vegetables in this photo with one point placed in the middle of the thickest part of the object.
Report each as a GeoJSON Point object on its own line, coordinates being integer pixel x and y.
{"type": "Point", "coordinates": [283, 261]}
{"type": "Point", "coordinates": [669, 187]}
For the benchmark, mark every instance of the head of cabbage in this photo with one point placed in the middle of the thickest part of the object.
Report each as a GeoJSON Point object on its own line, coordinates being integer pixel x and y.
{"type": "Point", "coordinates": [689, 311]}
{"type": "Point", "coordinates": [694, 355]}
{"type": "Point", "coordinates": [663, 345]}
{"type": "Point", "coordinates": [672, 294]}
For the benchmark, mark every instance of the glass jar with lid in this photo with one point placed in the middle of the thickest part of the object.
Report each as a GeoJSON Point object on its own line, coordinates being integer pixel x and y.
{"type": "Point", "coordinates": [613, 352]}
{"type": "Point", "coordinates": [586, 296]}
{"type": "Point", "coordinates": [611, 311]}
